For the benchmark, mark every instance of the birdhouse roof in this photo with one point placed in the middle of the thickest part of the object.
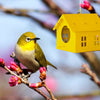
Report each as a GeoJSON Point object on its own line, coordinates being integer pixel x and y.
{"type": "Point", "coordinates": [80, 22]}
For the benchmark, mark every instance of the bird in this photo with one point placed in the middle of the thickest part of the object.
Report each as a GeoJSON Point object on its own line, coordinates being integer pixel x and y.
{"type": "Point", "coordinates": [29, 53]}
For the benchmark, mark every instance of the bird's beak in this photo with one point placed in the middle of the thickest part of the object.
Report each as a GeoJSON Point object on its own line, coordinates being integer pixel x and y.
{"type": "Point", "coordinates": [35, 38]}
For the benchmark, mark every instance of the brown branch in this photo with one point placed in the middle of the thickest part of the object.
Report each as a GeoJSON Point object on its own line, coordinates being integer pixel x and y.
{"type": "Point", "coordinates": [88, 71]}
{"type": "Point", "coordinates": [34, 86]}
{"type": "Point", "coordinates": [27, 83]}
{"type": "Point", "coordinates": [19, 12]}
{"type": "Point", "coordinates": [51, 94]}
{"type": "Point", "coordinates": [55, 8]}
{"type": "Point", "coordinates": [93, 61]}
{"type": "Point", "coordinates": [95, 1]}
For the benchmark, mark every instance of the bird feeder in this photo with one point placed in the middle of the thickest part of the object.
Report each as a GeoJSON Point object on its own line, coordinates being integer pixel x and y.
{"type": "Point", "coordinates": [78, 32]}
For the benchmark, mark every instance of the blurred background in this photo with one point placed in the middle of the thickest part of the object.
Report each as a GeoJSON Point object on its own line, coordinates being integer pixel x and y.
{"type": "Point", "coordinates": [67, 82]}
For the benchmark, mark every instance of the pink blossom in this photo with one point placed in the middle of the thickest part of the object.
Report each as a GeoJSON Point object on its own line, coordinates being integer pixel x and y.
{"type": "Point", "coordinates": [33, 85]}
{"type": "Point", "coordinates": [42, 69]}
{"type": "Point", "coordinates": [13, 81]}
{"type": "Point", "coordinates": [36, 85]}
{"type": "Point", "coordinates": [14, 67]}
{"type": "Point", "coordinates": [42, 73]}
{"type": "Point", "coordinates": [85, 5]}
{"type": "Point", "coordinates": [2, 62]}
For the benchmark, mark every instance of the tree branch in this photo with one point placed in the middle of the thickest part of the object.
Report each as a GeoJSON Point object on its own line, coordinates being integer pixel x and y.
{"type": "Point", "coordinates": [20, 12]}
{"type": "Point", "coordinates": [55, 8]}
{"type": "Point", "coordinates": [88, 71]}
{"type": "Point", "coordinates": [27, 83]}
{"type": "Point", "coordinates": [93, 61]}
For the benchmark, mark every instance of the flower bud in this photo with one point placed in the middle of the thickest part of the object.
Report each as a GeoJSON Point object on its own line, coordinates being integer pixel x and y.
{"type": "Point", "coordinates": [86, 5]}
{"type": "Point", "coordinates": [2, 62]}
{"type": "Point", "coordinates": [36, 85]}
{"type": "Point", "coordinates": [13, 81]}
{"type": "Point", "coordinates": [44, 69]}
{"type": "Point", "coordinates": [42, 73]}
{"type": "Point", "coordinates": [14, 67]}
{"type": "Point", "coordinates": [41, 70]}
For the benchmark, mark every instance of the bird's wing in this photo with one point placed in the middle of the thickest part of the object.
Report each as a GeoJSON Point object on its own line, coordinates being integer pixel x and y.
{"type": "Point", "coordinates": [39, 56]}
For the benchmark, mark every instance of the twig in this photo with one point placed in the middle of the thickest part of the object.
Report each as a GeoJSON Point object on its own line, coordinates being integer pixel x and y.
{"type": "Point", "coordinates": [24, 13]}
{"type": "Point", "coordinates": [15, 59]}
{"type": "Point", "coordinates": [95, 1]}
{"type": "Point", "coordinates": [27, 83]}
{"type": "Point", "coordinates": [88, 71]}
{"type": "Point", "coordinates": [26, 10]}
{"type": "Point", "coordinates": [93, 60]}
{"type": "Point", "coordinates": [55, 8]}
{"type": "Point", "coordinates": [51, 94]}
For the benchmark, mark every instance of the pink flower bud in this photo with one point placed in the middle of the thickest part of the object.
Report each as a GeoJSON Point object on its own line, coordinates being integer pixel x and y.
{"type": "Point", "coordinates": [33, 85]}
{"type": "Point", "coordinates": [42, 73]}
{"type": "Point", "coordinates": [36, 85]}
{"type": "Point", "coordinates": [2, 62]}
{"type": "Point", "coordinates": [13, 81]}
{"type": "Point", "coordinates": [14, 64]}
{"type": "Point", "coordinates": [86, 2]}
{"type": "Point", "coordinates": [15, 67]}
{"type": "Point", "coordinates": [44, 69]}
{"type": "Point", "coordinates": [85, 5]}
{"type": "Point", "coordinates": [41, 70]}
{"type": "Point", "coordinates": [82, 5]}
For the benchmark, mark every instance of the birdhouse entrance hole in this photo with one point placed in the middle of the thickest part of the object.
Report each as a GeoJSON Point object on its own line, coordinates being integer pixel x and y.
{"type": "Point", "coordinates": [65, 34]}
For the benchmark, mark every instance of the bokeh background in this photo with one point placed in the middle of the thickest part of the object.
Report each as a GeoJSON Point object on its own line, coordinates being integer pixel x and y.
{"type": "Point", "coordinates": [67, 80]}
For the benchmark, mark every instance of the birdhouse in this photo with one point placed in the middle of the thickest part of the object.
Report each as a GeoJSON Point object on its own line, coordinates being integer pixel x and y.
{"type": "Point", "coordinates": [78, 32]}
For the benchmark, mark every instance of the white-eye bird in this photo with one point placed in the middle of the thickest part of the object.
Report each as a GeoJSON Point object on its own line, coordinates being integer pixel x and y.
{"type": "Point", "coordinates": [29, 53]}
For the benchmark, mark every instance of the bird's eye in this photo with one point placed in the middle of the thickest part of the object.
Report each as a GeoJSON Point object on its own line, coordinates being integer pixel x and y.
{"type": "Point", "coordinates": [28, 39]}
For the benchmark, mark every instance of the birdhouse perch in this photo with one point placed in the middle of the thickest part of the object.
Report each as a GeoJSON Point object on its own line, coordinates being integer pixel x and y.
{"type": "Point", "coordinates": [78, 32]}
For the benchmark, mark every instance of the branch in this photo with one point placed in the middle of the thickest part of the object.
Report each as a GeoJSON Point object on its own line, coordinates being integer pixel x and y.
{"type": "Point", "coordinates": [19, 78]}
{"type": "Point", "coordinates": [93, 61]}
{"type": "Point", "coordinates": [51, 94]}
{"type": "Point", "coordinates": [88, 71]}
{"type": "Point", "coordinates": [55, 8]}
{"type": "Point", "coordinates": [95, 1]}
{"type": "Point", "coordinates": [20, 12]}
{"type": "Point", "coordinates": [28, 84]}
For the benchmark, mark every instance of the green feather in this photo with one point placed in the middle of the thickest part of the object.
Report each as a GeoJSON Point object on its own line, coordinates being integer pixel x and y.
{"type": "Point", "coordinates": [39, 56]}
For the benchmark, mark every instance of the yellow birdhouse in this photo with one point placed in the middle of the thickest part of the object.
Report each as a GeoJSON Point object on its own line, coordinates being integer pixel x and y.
{"type": "Point", "coordinates": [78, 32]}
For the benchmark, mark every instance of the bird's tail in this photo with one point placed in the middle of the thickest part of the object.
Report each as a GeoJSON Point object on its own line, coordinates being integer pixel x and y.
{"type": "Point", "coordinates": [51, 65]}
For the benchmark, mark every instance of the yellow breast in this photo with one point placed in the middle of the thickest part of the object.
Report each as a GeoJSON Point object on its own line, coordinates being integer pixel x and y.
{"type": "Point", "coordinates": [28, 46]}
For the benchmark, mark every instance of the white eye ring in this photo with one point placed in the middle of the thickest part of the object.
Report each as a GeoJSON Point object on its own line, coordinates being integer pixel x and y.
{"type": "Point", "coordinates": [28, 39]}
